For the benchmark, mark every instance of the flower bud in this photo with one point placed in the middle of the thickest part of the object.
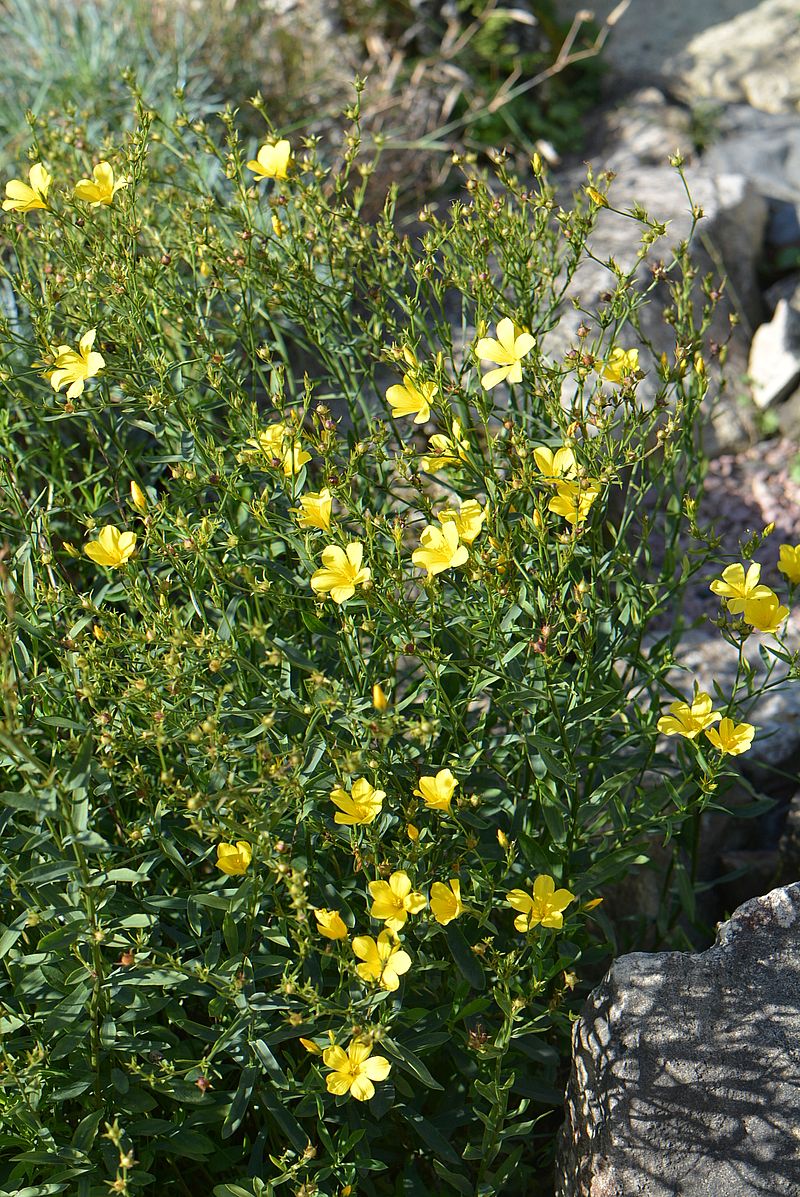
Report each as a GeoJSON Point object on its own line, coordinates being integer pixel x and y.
{"type": "Point", "coordinates": [138, 498]}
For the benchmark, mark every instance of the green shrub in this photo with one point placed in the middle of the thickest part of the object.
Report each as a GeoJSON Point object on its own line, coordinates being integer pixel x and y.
{"type": "Point", "coordinates": [179, 687]}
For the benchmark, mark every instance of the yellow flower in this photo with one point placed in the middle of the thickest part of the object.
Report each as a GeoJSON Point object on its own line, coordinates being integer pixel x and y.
{"type": "Point", "coordinates": [544, 907]}
{"type": "Point", "coordinates": [330, 924]}
{"type": "Point", "coordinates": [468, 521]}
{"type": "Point", "coordinates": [112, 547]}
{"type": "Point", "coordinates": [689, 721]}
{"type": "Point", "coordinates": [341, 572]}
{"type": "Point", "coordinates": [384, 961]}
{"type": "Point", "coordinates": [596, 197]}
{"type": "Point", "coordinates": [738, 588]}
{"type": "Point", "coordinates": [449, 450]}
{"type": "Point", "coordinates": [138, 497]}
{"type": "Point", "coordinates": [789, 563]}
{"type": "Point", "coordinates": [101, 188]}
{"type": "Point", "coordinates": [439, 549]}
{"type": "Point", "coordinates": [446, 903]}
{"type": "Point", "coordinates": [765, 614]}
{"type": "Point", "coordinates": [555, 466]}
{"type": "Point", "coordinates": [360, 806]}
{"type": "Point", "coordinates": [75, 366]}
{"type": "Point", "coordinates": [271, 161]}
{"type": "Point", "coordinates": [511, 346]}
{"type": "Point", "coordinates": [278, 227]}
{"type": "Point", "coordinates": [354, 1070]}
{"type": "Point", "coordinates": [406, 353]}
{"type": "Point", "coordinates": [311, 1046]}
{"type": "Point", "coordinates": [411, 400]}
{"type": "Point", "coordinates": [394, 900]}
{"type": "Point", "coordinates": [731, 738]}
{"type": "Point", "coordinates": [234, 859]}
{"type": "Point", "coordinates": [438, 791]}
{"type": "Point", "coordinates": [621, 364]}
{"type": "Point", "coordinates": [412, 832]}
{"type": "Point", "coordinates": [276, 443]}
{"type": "Point", "coordinates": [23, 198]}
{"type": "Point", "coordinates": [379, 699]}
{"type": "Point", "coordinates": [573, 500]}
{"type": "Point", "coordinates": [315, 510]}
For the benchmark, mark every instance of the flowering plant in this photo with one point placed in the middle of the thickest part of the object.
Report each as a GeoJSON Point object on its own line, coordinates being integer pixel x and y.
{"type": "Point", "coordinates": [331, 708]}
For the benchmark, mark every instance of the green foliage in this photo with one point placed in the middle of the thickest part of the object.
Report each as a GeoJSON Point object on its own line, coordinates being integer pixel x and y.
{"type": "Point", "coordinates": [151, 1008]}
{"type": "Point", "coordinates": [70, 58]}
{"type": "Point", "coordinates": [511, 46]}
{"type": "Point", "coordinates": [70, 61]}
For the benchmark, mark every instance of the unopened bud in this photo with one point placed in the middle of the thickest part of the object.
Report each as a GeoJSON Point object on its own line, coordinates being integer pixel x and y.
{"type": "Point", "coordinates": [138, 498]}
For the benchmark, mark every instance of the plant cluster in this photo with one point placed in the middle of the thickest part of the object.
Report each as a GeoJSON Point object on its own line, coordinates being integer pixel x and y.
{"type": "Point", "coordinates": [331, 700]}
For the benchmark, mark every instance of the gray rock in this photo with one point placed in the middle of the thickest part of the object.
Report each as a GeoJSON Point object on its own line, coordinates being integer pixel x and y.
{"type": "Point", "coordinates": [786, 288]}
{"type": "Point", "coordinates": [686, 1068]}
{"type": "Point", "coordinates": [754, 56]}
{"type": "Point", "coordinates": [774, 366]}
{"type": "Point", "coordinates": [728, 239]}
{"type": "Point", "coordinates": [788, 415]}
{"type": "Point", "coordinates": [765, 148]}
{"type": "Point", "coordinates": [648, 38]}
{"type": "Point", "coordinates": [717, 50]}
{"type": "Point", "coordinates": [643, 130]}
{"type": "Point", "coordinates": [783, 226]}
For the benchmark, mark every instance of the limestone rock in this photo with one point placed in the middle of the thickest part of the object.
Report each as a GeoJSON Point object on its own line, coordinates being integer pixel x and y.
{"type": "Point", "coordinates": [774, 366]}
{"type": "Point", "coordinates": [789, 417]}
{"type": "Point", "coordinates": [755, 56]}
{"type": "Point", "coordinates": [686, 1068]}
{"type": "Point", "coordinates": [651, 34]}
{"type": "Point", "coordinates": [642, 130]}
{"type": "Point", "coordinates": [763, 147]}
{"type": "Point", "coordinates": [786, 288]}
{"type": "Point", "coordinates": [718, 50]}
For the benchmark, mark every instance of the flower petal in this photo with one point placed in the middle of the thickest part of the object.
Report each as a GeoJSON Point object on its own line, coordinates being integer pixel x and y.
{"type": "Point", "coordinates": [493, 377]}
{"type": "Point", "coordinates": [519, 900]}
{"type": "Point", "coordinates": [362, 1088]}
{"type": "Point", "coordinates": [377, 1068]}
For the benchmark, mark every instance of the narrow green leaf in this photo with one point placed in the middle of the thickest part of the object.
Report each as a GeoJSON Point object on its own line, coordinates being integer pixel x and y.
{"type": "Point", "coordinates": [466, 960]}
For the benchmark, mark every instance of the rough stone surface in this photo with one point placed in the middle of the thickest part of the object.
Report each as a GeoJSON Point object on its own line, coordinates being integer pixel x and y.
{"type": "Point", "coordinates": [719, 50]}
{"type": "Point", "coordinates": [755, 57]}
{"type": "Point", "coordinates": [789, 420]}
{"type": "Point", "coordinates": [651, 34]}
{"type": "Point", "coordinates": [774, 366]}
{"type": "Point", "coordinates": [686, 1068]}
{"type": "Point", "coordinates": [743, 493]}
{"type": "Point", "coordinates": [729, 235]}
{"type": "Point", "coordinates": [764, 148]}
{"type": "Point", "coordinates": [785, 288]}
{"type": "Point", "coordinates": [643, 129]}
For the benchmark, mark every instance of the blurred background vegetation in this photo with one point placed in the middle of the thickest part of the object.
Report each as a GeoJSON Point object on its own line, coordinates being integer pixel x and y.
{"type": "Point", "coordinates": [467, 74]}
